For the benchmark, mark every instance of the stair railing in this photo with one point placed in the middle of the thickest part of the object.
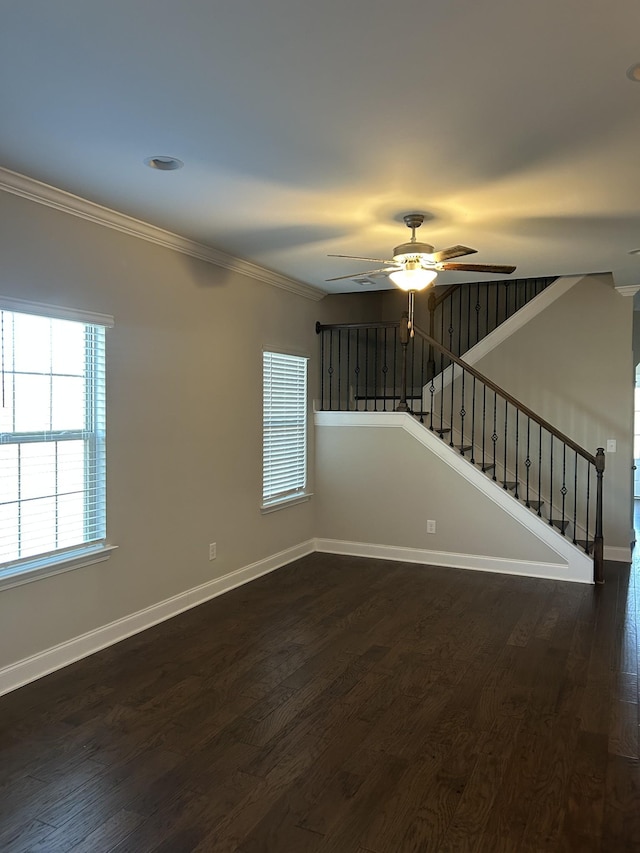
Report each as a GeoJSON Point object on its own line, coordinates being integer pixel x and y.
{"type": "Point", "coordinates": [378, 367]}
{"type": "Point", "coordinates": [462, 315]}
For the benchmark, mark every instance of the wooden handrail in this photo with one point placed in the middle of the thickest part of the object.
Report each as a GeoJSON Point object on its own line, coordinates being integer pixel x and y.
{"type": "Point", "coordinates": [508, 397]}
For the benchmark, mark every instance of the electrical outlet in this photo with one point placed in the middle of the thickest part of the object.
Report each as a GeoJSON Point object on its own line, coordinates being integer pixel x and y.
{"type": "Point", "coordinates": [212, 551]}
{"type": "Point", "coordinates": [431, 526]}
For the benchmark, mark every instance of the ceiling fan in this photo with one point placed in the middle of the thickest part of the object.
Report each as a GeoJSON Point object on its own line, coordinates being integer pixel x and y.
{"type": "Point", "coordinates": [415, 265]}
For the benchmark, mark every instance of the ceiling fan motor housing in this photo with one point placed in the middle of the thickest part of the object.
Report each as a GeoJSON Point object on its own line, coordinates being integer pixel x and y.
{"type": "Point", "coordinates": [409, 251]}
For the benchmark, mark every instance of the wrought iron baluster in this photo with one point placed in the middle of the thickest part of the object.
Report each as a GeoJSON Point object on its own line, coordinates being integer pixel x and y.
{"type": "Point", "coordinates": [506, 427]}
{"type": "Point", "coordinates": [473, 422]}
{"type": "Point", "coordinates": [468, 289]}
{"type": "Point", "coordinates": [366, 370]}
{"type": "Point", "coordinates": [517, 447]}
{"type": "Point", "coordinates": [459, 295]}
{"type": "Point", "coordinates": [432, 391]}
{"type": "Point", "coordinates": [330, 368]}
{"type": "Point", "coordinates": [422, 381]}
{"type": "Point", "coordinates": [550, 478]}
{"type": "Point", "coordinates": [453, 373]}
{"type": "Point", "coordinates": [478, 308]}
{"type": "Point", "coordinates": [348, 373]}
{"type": "Point", "coordinates": [527, 462]}
{"type": "Point", "coordinates": [462, 416]}
{"type": "Point", "coordinates": [575, 496]}
{"type": "Point", "coordinates": [375, 370]}
{"type": "Point", "coordinates": [563, 490]}
{"type": "Point", "coordinates": [339, 368]}
{"type": "Point", "coordinates": [540, 472]}
{"type": "Point", "coordinates": [494, 434]}
{"type": "Point", "coordinates": [441, 402]}
{"type": "Point", "coordinates": [323, 338]}
{"type": "Point", "coordinates": [484, 411]}
{"type": "Point", "coordinates": [450, 330]}
{"type": "Point", "coordinates": [384, 372]}
{"type": "Point", "coordinates": [586, 545]}
{"type": "Point", "coordinates": [395, 360]}
{"type": "Point", "coordinates": [357, 369]}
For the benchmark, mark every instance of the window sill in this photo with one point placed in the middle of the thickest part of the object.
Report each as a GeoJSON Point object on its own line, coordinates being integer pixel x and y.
{"type": "Point", "coordinates": [274, 506]}
{"type": "Point", "coordinates": [45, 568]}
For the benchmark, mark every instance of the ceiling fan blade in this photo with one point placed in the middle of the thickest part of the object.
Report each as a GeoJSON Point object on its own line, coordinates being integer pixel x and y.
{"type": "Point", "coordinates": [356, 258]}
{"type": "Point", "coordinates": [452, 252]}
{"type": "Point", "coordinates": [501, 268]}
{"type": "Point", "coordinates": [362, 274]}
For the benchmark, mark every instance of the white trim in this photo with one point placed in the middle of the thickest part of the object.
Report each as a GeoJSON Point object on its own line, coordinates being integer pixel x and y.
{"type": "Point", "coordinates": [29, 188]}
{"type": "Point", "coordinates": [578, 565]}
{"type": "Point", "coordinates": [445, 559]}
{"type": "Point", "coordinates": [617, 554]}
{"type": "Point", "coordinates": [56, 564]}
{"type": "Point", "coordinates": [57, 312]}
{"type": "Point", "coordinates": [29, 669]}
{"type": "Point", "coordinates": [274, 506]}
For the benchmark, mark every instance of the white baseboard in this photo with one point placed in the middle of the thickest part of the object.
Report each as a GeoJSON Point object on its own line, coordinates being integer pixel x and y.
{"type": "Point", "coordinates": [29, 669]}
{"type": "Point", "coordinates": [617, 554]}
{"type": "Point", "coordinates": [474, 562]}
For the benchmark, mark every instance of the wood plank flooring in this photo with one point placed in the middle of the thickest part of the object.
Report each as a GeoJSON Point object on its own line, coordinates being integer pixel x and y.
{"type": "Point", "coordinates": [343, 705]}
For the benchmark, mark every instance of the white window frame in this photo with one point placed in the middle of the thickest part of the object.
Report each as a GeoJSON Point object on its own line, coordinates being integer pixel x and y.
{"type": "Point", "coordinates": [285, 397]}
{"type": "Point", "coordinates": [32, 567]}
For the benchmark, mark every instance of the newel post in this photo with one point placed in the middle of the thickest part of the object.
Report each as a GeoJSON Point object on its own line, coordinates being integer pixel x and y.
{"type": "Point", "coordinates": [404, 342]}
{"type": "Point", "coordinates": [598, 542]}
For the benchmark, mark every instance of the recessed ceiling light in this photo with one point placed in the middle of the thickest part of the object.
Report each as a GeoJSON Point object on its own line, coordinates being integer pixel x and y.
{"type": "Point", "coordinates": [633, 73]}
{"type": "Point", "coordinates": [164, 164]}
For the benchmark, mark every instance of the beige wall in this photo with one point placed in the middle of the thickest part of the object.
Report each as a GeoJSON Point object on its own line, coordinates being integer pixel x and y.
{"type": "Point", "coordinates": [184, 375]}
{"type": "Point", "coordinates": [573, 365]}
{"type": "Point", "coordinates": [379, 486]}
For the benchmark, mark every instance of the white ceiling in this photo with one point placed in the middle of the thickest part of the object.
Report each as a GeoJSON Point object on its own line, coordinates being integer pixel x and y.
{"type": "Point", "coordinates": [309, 128]}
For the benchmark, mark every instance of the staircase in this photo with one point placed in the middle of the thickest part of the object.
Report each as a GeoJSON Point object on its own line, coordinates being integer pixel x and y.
{"type": "Point", "coordinates": [379, 368]}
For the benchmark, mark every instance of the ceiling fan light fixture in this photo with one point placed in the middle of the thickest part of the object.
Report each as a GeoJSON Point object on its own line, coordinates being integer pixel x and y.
{"type": "Point", "coordinates": [633, 73]}
{"type": "Point", "coordinates": [413, 278]}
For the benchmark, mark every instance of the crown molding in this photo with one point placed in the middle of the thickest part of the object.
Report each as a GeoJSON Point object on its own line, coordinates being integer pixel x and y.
{"type": "Point", "coordinates": [29, 188]}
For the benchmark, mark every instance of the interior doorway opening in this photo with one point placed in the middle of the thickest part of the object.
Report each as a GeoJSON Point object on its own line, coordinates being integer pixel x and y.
{"type": "Point", "coordinates": [636, 436]}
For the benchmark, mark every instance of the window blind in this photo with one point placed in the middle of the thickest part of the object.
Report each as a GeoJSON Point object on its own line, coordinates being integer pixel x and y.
{"type": "Point", "coordinates": [52, 437]}
{"type": "Point", "coordinates": [284, 422]}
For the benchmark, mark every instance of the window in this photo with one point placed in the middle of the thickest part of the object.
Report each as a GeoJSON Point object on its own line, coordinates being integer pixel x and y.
{"type": "Point", "coordinates": [52, 437]}
{"type": "Point", "coordinates": [284, 428]}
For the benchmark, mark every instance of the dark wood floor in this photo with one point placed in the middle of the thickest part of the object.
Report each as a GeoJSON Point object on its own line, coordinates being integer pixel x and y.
{"type": "Point", "coordinates": [342, 705]}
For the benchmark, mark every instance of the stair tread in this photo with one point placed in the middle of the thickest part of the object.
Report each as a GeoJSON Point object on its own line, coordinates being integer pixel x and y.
{"type": "Point", "coordinates": [464, 447]}
{"type": "Point", "coordinates": [486, 466]}
{"type": "Point", "coordinates": [587, 544]}
{"type": "Point", "coordinates": [509, 484]}
{"type": "Point", "coordinates": [560, 523]}
{"type": "Point", "coordinates": [536, 504]}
